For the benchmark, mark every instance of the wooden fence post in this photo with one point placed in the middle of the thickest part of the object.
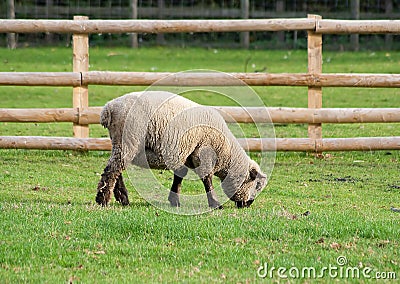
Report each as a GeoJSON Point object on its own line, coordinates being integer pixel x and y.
{"type": "Point", "coordinates": [244, 13]}
{"type": "Point", "coordinates": [49, 6]}
{"type": "Point", "coordinates": [355, 15]}
{"type": "Point", "coordinates": [134, 36]}
{"type": "Point", "coordinates": [80, 99]}
{"type": "Point", "coordinates": [280, 8]}
{"type": "Point", "coordinates": [315, 68]}
{"type": "Point", "coordinates": [388, 12]}
{"type": "Point", "coordinates": [11, 37]}
{"type": "Point", "coordinates": [160, 15]}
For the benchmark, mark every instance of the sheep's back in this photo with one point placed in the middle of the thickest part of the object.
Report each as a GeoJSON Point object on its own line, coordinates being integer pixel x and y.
{"type": "Point", "coordinates": [171, 127]}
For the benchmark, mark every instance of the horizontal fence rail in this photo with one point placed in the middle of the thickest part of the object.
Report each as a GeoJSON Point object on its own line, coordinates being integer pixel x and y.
{"type": "Point", "coordinates": [91, 115]}
{"type": "Point", "coordinates": [249, 144]}
{"type": "Point", "coordinates": [323, 26]}
{"type": "Point", "coordinates": [60, 79]}
{"type": "Point", "coordinates": [321, 145]}
{"type": "Point", "coordinates": [54, 143]}
{"type": "Point", "coordinates": [153, 26]}
{"type": "Point", "coordinates": [74, 79]}
{"type": "Point", "coordinates": [308, 115]}
{"type": "Point", "coordinates": [251, 79]}
{"type": "Point", "coordinates": [357, 26]}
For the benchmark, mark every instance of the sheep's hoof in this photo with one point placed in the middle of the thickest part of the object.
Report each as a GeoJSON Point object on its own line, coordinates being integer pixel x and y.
{"type": "Point", "coordinates": [123, 200]}
{"type": "Point", "coordinates": [173, 199]}
{"type": "Point", "coordinates": [213, 201]}
{"type": "Point", "coordinates": [175, 204]}
{"type": "Point", "coordinates": [121, 197]}
{"type": "Point", "coordinates": [215, 205]}
{"type": "Point", "coordinates": [243, 204]}
{"type": "Point", "coordinates": [102, 199]}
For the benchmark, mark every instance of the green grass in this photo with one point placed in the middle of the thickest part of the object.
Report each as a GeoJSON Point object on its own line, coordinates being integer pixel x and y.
{"type": "Point", "coordinates": [52, 231]}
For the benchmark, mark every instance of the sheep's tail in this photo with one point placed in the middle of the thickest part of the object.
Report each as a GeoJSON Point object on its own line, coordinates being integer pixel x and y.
{"type": "Point", "coordinates": [105, 116]}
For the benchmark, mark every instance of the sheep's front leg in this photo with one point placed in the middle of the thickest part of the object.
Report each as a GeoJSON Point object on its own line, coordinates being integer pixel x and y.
{"type": "Point", "coordinates": [120, 191]}
{"type": "Point", "coordinates": [173, 197]}
{"type": "Point", "coordinates": [211, 196]}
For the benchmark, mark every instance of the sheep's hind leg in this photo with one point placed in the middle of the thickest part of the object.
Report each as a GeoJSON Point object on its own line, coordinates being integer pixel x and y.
{"type": "Point", "coordinates": [211, 196]}
{"type": "Point", "coordinates": [173, 197]}
{"type": "Point", "coordinates": [108, 180]}
{"type": "Point", "coordinates": [120, 191]}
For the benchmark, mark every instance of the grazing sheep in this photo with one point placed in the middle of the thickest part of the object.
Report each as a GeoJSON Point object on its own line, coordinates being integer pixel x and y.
{"type": "Point", "coordinates": [162, 130]}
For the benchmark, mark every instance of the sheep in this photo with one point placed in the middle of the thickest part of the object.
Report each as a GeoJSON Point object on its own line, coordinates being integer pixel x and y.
{"type": "Point", "coordinates": [162, 130]}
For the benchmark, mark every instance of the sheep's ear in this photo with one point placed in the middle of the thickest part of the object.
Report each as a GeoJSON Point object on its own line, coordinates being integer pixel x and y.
{"type": "Point", "coordinates": [253, 174]}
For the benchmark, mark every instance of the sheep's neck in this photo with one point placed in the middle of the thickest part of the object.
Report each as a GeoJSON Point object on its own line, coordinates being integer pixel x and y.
{"type": "Point", "coordinates": [236, 162]}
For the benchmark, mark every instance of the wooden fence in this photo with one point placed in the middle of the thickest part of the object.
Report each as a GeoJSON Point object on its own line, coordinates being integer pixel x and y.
{"type": "Point", "coordinates": [81, 115]}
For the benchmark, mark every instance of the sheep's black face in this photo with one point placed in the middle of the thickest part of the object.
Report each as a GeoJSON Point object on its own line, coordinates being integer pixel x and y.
{"type": "Point", "coordinates": [253, 184]}
{"type": "Point", "coordinates": [243, 188]}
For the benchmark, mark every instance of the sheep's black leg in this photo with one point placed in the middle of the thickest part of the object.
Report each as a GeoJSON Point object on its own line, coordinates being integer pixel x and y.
{"type": "Point", "coordinates": [173, 197]}
{"type": "Point", "coordinates": [120, 192]}
{"type": "Point", "coordinates": [211, 196]}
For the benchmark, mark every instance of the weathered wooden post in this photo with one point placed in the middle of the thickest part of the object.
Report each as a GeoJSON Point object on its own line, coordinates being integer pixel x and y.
{"type": "Point", "coordinates": [244, 11]}
{"type": "Point", "coordinates": [11, 37]}
{"type": "Point", "coordinates": [355, 15]}
{"type": "Point", "coordinates": [280, 8]}
{"type": "Point", "coordinates": [80, 63]}
{"type": "Point", "coordinates": [134, 36]}
{"type": "Point", "coordinates": [49, 14]}
{"type": "Point", "coordinates": [160, 14]}
{"type": "Point", "coordinates": [315, 68]}
{"type": "Point", "coordinates": [388, 12]}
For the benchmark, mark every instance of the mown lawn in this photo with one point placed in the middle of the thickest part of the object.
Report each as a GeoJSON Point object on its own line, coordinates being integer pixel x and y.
{"type": "Point", "coordinates": [314, 212]}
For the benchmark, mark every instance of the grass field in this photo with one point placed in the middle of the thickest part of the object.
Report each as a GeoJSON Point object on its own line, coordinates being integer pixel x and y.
{"type": "Point", "coordinates": [315, 211]}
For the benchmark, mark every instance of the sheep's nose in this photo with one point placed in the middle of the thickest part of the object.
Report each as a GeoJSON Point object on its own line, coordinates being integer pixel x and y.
{"type": "Point", "coordinates": [249, 202]}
